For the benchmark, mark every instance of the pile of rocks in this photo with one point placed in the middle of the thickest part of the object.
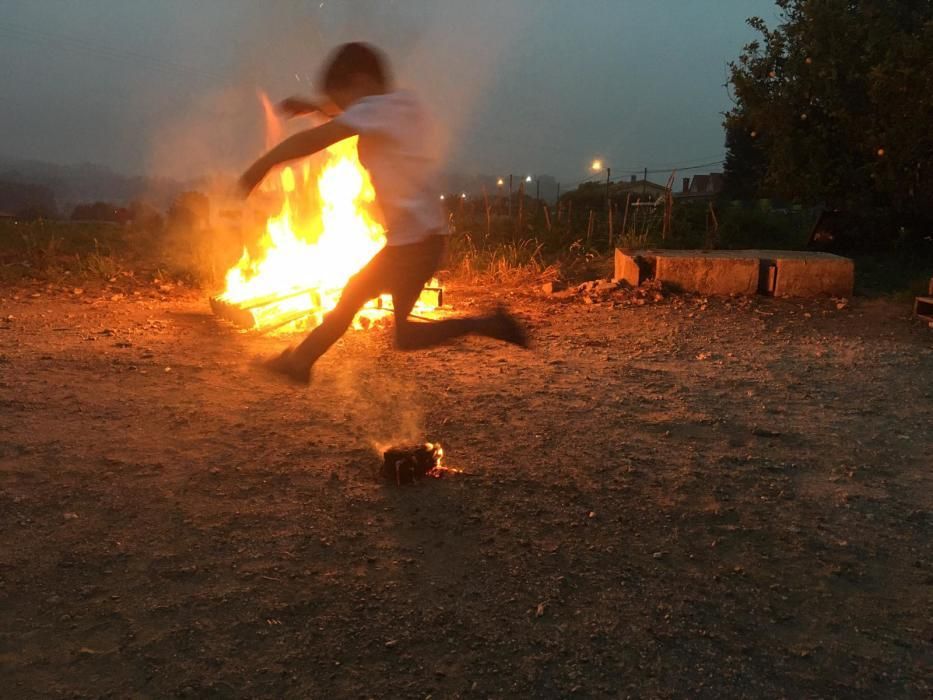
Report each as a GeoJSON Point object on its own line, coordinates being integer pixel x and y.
{"type": "Point", "coordinates": [615, 291]}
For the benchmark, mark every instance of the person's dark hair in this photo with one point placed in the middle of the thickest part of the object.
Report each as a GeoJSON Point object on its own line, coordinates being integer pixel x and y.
{"type": "Point", "coordinates": [353, 58]}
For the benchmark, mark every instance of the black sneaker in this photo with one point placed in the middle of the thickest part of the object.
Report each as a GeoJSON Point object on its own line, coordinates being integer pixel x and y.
{"type": "Point", "coordinates": [284, 365]}
{"type": "Point", "coordinates": [504, 326]}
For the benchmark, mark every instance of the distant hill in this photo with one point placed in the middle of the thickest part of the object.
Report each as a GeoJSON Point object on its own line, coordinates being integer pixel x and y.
{"type": "Point", "coordinates": [87, 182]}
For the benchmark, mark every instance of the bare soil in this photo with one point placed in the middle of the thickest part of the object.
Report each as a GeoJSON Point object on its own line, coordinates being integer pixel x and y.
{"type": "Point", "coordinates": [706, 498]}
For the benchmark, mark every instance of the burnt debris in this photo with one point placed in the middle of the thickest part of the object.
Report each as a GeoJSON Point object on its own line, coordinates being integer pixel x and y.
{"type": "Point", "coordinates": [406, 465]}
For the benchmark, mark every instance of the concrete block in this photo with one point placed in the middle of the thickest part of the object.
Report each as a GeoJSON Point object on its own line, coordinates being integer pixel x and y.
{"type": "Point", "coordinates": [725, 272]}
{"type": "Point", "coordinates": [716, 272]}
{"type": "Point", "coordinates": [628, 269]}
{"type": "Point", "coordinates": [808, 274]}
{"type": "Point", "coordinates": [923, 307]}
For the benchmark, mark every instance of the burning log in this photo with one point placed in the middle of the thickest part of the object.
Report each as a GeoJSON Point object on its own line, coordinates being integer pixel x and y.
{"type": "Point", "coordinates": [405, 465]}
{"type": "Point", "coordinates": [247, 314]}
{"type": "Point", "coordinates": [241, 318]}
{"type": "Point", "coordinates": [270, 299]}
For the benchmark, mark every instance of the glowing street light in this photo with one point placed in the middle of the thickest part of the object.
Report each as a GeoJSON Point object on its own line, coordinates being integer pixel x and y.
{"type": "Point", "coordinates": [463, 196]}
{"type": "Point", "coordinates": [528, 179]}
{"type": "Point", "coordinates": [500, 182]}
{"type": "Point", "coordinates": [443, 198]}
{"type": "Point", "coordinates": [597, 166]}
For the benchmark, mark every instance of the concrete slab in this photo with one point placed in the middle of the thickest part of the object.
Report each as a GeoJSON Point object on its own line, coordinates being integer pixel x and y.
{"type": "Point", "coordinates": [923, 308]}
{"type": "Point", "coordinates": [709, 273]}
{"type": "Point", "coordinates": [726, 272]}
{"type": "Point", "coordinates": [704, 272]}
{"type": "Point", "coordinates": [809, 274]}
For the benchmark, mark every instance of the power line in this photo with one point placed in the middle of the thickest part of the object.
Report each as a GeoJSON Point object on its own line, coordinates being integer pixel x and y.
{"type": "Point", "coordinates": [650, 171]}
{"type": "Point", "coordinates": [681, 169]}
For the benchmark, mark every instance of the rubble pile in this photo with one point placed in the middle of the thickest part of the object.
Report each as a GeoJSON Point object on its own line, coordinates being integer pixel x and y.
{"type": "Point", "coordinates": [602, 291]}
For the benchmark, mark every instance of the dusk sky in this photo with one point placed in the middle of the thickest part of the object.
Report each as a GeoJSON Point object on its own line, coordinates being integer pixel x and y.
{"type": "Point", "coordinates": [534, 86]}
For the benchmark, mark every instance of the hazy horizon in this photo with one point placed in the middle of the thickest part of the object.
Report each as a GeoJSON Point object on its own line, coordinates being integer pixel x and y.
{"type": "Point", "coordinates": [170, 89]}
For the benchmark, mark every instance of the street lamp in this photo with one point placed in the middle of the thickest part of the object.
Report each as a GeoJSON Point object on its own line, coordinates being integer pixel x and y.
{"type": "Point", "coordinates": [500, 182]}
{"type": "Point", "coordinates": [596, 166]}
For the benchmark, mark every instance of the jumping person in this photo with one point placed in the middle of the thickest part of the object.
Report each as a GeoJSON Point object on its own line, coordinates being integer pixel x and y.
{"type": "Point", "coordinates": [395, 147]}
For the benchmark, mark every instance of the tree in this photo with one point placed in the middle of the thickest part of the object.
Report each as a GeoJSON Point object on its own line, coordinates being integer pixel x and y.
{"type": "Point", "coordinates": [835, 105]}
{"type": "Point", "coordinates": [27, 201]}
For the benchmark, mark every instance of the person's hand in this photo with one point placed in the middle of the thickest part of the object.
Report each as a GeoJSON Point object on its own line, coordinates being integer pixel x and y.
{"type": "Point", "coordinates": [296, 106]}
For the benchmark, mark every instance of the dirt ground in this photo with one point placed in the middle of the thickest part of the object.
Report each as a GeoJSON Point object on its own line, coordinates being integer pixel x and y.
{"type": "Point", "coordinates": [690, 498]}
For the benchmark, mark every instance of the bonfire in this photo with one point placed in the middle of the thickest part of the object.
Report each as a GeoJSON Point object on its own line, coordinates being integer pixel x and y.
{"type": "Point", "coordinates": [327, 229]}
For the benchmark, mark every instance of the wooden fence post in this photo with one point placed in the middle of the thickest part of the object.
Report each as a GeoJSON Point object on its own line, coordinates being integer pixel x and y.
{"type": "Point", "coordinates": [521, 206]}
{"type": "Point", "coordinates": [486, 204]}
{"type": "Point", "coordinates": [610, 227]}
{"type": "Point", "coordinates": [628, 201]}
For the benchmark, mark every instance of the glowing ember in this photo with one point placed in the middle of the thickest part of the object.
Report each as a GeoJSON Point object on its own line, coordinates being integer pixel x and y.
{"type": "Point", "coordinates": [325, 232]}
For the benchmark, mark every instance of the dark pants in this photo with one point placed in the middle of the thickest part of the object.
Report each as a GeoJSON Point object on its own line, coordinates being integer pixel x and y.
{"type": "Point", "coordinates": [401, 271]}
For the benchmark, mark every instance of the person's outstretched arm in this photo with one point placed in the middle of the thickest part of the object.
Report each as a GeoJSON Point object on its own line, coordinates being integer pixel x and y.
{"type": "Point", "coordinates": [301, 145]}
{"type": "Point", "coordinates": [299, 106]}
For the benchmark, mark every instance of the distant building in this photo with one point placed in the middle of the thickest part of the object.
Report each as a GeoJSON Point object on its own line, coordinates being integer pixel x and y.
{"type": "Point", "coordinates": [593, 193]}
{"type": "Point", "coordinates": [701, 187]}
{"type": "Point", "coordinates": [644, 189]}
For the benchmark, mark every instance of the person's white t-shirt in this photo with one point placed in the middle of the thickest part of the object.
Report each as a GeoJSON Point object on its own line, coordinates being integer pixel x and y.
{"type": "Point", "coordinates": [397, 147]}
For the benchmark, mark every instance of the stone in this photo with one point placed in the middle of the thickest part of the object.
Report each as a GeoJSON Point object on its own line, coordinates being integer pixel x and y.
{"type": "Point", "coordinates": [606, 286]}
{"type": "Point", "coordinates": [552, 287]}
